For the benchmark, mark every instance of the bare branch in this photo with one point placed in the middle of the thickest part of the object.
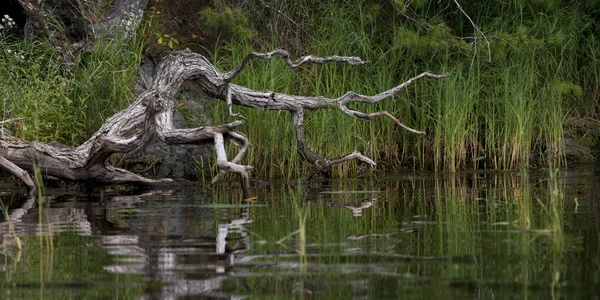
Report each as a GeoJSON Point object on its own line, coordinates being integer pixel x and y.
{"type": "Point", "coordinates": [354, 155]}
{"type": "Point", "coordinates": [279, 12]}
{"type": "Point", "coordinates": [150, 117]}
{"type": "Point", "coordinates": [228, 166]}
{"type": "Point", "coordinates": [351, 60]}
{"type": "Point", "coordinates": [354, 97]}
{"type": "Point", "coordinates": [222, 161]}
{"type": "Point", "coordinates": [239, 140]}
{"type": "Point", "coordinates": [297, 104]}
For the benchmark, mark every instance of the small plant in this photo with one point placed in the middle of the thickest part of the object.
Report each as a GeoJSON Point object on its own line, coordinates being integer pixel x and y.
{"type": "Point", "coordinates": [167, 40]}
{"type": "Point", "coordinates": [7, 24]}
{"type": "Point", "coordinates": [226, 21]}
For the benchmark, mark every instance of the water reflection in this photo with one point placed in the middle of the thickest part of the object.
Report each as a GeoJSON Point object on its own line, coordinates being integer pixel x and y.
{"type": "Point", "coordinates": [508, 235]}
{"type": "Point", "coordinates": [357, 210]}
{"type": "Point", "coordinates": [170, 243]}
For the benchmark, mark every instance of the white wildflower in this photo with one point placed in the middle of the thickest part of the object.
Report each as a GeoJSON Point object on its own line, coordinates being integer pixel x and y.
{"type": "Point", "coordinates": [8, 22]}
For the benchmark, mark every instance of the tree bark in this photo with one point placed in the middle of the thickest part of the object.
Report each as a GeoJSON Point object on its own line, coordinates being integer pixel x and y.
{"type": "Point", "coordinates": [151, 116]}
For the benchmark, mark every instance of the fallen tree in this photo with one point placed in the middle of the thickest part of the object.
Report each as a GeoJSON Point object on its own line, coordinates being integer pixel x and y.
{"type": "Point", "coordinates": [150, 117]}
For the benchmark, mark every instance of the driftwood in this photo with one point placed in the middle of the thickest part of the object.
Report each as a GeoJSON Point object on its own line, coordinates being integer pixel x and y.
{"type": "Point", "coordinates": [150, 117]}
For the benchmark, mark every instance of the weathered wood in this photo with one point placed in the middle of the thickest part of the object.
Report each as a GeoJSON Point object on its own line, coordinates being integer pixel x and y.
{"type": "Point", "coordinates": [151, 117]}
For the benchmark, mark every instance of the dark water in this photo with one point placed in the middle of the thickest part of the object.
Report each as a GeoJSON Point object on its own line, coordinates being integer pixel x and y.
{"type": "Point", "coordinates": [463, 236]}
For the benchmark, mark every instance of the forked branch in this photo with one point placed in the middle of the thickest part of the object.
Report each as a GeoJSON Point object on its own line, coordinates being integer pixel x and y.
{"type": "Point", "coordinates": [150, 117]}
{"type": "Point", "coordinates": [297, 104]}
{"type": "Point", "coordinates": [351, 60]}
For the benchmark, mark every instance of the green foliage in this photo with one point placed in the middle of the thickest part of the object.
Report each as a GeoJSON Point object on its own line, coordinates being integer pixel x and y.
{"type": "Point", "coordinates": [65, 103]}
{"type": "Point", "coordinates": [226, 22]}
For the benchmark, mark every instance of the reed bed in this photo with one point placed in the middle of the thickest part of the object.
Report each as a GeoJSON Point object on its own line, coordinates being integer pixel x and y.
{"type": "Point", "coordinates": [505, 114]}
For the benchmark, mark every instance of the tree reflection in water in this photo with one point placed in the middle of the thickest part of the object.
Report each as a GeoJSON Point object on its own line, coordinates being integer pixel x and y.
{"type": "Point", "coordinates": [159, 244]}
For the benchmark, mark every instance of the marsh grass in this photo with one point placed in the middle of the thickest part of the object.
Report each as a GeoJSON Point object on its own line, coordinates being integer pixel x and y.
{"type": "Point", "coordinates": [506, 114]}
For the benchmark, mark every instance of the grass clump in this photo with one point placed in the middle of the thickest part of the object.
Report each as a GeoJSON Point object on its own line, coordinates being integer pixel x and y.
{"type": "Point", "coordinates": [61, 102]}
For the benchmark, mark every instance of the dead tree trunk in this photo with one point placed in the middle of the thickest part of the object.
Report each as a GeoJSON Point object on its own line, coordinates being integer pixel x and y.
{"type": "Point", "coordinates": [150, 117]}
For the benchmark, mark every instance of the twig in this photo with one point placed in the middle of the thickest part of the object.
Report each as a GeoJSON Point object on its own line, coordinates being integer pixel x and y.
{"type": "Point", "coordinates": [279, 12]}
{"type": "Point", "coordinates": [476, 29]}
{"type": "Point", "coordinates": [11, 120]}
{"type": "Point", "coordinates": [351, 60]}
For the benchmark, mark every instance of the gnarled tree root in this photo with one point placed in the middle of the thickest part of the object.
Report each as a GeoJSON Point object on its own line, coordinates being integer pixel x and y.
{"type": "Point", "coordinates": [151, 117]}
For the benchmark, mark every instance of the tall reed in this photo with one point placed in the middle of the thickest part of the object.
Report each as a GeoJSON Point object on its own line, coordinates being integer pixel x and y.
{"type": "Point", "coordinates": [507, 113]}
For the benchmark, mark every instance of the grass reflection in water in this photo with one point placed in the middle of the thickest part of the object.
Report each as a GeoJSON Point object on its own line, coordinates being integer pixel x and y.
{"type": "Point", "coordinates": [486, 235]}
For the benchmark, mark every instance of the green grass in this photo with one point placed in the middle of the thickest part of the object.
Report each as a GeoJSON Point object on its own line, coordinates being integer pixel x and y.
{"type": "Point", "coordinates": [65, 103]}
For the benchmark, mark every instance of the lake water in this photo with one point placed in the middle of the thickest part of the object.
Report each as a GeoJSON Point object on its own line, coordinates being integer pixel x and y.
{"type": "Point", "coordinates": [523, 235]}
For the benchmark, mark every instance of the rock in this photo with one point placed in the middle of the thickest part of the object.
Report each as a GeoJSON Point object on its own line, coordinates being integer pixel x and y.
{"type": "Point", "coordinates": [571, 149]}
{"type": "Point", "coordinates": [144, 78]}
{"type": "Point", "coordinates": [172, 161]}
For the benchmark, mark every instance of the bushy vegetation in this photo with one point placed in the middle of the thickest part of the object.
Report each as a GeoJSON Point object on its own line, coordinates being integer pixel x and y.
{"type": "Point", "coordinates": [63, 102]}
